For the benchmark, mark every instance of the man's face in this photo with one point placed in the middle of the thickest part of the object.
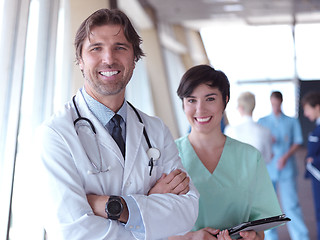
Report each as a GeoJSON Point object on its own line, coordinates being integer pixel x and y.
{"type": "Point", "coordinates": [107, 61]}
{"type": "Point", "coordinates": [276, 105]}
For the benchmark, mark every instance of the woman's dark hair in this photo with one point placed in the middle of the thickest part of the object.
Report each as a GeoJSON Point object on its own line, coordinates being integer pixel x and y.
{"type": "Point", "coordinates": [204, 74]}
{"type": "Point", "coordinates": [311, 98]}
{"type": "Point", "coordinates": [108, 17]}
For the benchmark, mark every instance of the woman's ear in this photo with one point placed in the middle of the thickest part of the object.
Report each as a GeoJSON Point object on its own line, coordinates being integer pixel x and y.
{"type": "Point", "coordinates": [227, 100]}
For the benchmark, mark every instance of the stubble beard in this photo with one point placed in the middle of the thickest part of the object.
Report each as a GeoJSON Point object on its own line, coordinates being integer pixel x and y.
{"type": "Point", "coordinates": [108, 89]}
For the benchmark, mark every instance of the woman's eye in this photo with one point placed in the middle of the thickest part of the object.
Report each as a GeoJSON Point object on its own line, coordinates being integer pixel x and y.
{"type": "Point", "coordinates": [191, 100]}
{"type": "Point", "coordinates": [210, 99]}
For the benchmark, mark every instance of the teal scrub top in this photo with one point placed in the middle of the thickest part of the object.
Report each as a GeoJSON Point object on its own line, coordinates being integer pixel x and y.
{"type": "Point", "coordinates": [239, 189]}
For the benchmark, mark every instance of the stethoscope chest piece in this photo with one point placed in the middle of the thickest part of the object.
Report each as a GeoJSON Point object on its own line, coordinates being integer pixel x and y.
{"type": "Point", "coordinates": [153, 153]}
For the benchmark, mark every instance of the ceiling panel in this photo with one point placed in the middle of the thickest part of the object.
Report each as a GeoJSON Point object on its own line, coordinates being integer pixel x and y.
{"type": "Point", "coordinates": [198, 12]}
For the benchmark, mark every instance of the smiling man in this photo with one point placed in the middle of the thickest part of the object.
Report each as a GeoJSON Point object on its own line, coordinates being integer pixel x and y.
{"type": "Point", "coordinates": [104, 177]}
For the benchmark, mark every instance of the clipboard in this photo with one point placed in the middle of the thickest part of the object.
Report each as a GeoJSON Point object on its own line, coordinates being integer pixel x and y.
{"type": "Point", "coordinates": [258, 225]}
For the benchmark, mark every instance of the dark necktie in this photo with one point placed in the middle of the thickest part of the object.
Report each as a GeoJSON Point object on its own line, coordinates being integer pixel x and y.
{"type": "Point", "coordinates": [116, 133]}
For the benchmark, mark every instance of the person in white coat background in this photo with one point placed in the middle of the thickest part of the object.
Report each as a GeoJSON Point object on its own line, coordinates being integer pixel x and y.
{"type": "Point", "coordinates": [100, 181]}
{"type": "Point", "coordinates": [248, 131]}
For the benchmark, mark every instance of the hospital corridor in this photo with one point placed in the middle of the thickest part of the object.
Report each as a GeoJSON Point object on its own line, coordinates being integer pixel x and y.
{"type": "Point", "coordinates": [98, 106]}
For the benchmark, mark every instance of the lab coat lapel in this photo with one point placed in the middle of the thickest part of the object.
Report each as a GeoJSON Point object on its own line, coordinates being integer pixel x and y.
{"type": "Point", "coordinates": [103, 136]}
{"type": "Point", "coordinates": [133, 140]}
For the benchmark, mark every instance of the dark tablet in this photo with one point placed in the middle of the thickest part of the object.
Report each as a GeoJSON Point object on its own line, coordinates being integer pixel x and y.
{"type": "Point", "coordinates": [258, 225]}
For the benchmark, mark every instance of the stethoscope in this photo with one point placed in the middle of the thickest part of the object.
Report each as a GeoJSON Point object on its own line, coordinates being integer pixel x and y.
{"type": "Point", "coordinates": [153, 153]}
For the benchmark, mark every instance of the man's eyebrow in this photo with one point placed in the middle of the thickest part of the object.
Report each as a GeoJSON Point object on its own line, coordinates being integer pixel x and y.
{"type": "Point", "coordinates": [116, 44]}
{"type": "Point", "coordinates": [94, 45]}
{"type": "Point", "coordinates": [122, 44]}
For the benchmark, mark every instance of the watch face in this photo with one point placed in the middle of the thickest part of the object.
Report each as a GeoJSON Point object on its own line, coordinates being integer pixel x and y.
{"type": "Point", "coordinates": [114, 207]}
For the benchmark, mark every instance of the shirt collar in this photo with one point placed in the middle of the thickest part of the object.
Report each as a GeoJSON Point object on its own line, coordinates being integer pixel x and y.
{"type": "Point", "coordinates": [277, 116]}
{"type": "Point", "coordinates": [245, 119]}
{"type": "Point", "coordinates": [318, 121]}
{"type": "Point", "coordinates": [102, 113]}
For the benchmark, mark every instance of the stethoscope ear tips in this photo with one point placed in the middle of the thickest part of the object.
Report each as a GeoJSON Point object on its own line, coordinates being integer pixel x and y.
{"type": "Point", "coordinates": [153, 153]}
{"type": "Point", "coordinates": [90, 172]}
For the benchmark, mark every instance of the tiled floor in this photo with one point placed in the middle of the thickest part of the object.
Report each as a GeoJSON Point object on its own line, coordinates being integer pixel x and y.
{"type": "Point", "coordinates": [306, 200]}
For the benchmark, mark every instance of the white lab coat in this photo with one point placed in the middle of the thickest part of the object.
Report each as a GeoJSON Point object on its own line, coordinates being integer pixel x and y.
{"type": "Point", "coordinates": [65, 180]}
{"type": "Point", "coordinates": [252, 133]}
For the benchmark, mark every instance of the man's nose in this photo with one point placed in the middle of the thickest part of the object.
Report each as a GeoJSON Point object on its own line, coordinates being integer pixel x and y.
{"type": "Point", "coordinates": [108, 57]}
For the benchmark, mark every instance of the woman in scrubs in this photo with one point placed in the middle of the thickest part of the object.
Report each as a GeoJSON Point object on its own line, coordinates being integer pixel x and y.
{"type": "Point", "coordinates": [231, 176]}
{"type": "Point", "coordinates": [311, 109]}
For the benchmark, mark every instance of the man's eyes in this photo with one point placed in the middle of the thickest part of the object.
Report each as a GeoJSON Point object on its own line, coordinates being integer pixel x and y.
{"type": "Point", "coordinates": [95, 49]}
{"type": "Point", "coordinates": [120, 48]}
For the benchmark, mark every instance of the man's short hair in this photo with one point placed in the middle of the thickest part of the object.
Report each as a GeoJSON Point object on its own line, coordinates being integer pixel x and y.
{"type": "Point", "coordinates": [108, 17]}
{"type": "Point", "coordinates": [277, 94]}
{"type": "Point", "coordinates": [247, 102]}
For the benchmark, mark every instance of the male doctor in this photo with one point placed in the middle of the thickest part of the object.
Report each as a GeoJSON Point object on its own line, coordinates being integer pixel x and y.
{"type": "Point", "coordinates": [101, 178]}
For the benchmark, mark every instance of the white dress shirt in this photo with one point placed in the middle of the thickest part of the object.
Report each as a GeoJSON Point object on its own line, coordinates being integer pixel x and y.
{"type": "Point", "coordinates": [252, 133]}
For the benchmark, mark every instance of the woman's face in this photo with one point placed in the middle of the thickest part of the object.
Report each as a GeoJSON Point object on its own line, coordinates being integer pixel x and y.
{"type": "Point", "coordinates": [204, 108]}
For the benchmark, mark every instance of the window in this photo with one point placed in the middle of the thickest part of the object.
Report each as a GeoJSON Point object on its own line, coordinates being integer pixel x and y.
{"type": "Point", "coordinates": [308, 51]}
{"type": "Point", "coordinates": [44, 69]}
{"type": "Point", "coordinates": [261, 59]}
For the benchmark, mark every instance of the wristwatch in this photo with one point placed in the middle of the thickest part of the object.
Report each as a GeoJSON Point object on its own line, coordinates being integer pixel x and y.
{"type": "Point", "coordinates": [114, 207]}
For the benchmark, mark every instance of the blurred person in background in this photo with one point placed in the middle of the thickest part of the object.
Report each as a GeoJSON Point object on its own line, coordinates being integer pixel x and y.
{"type": "Point", "coordinates": [287, 138]}
{"type": "Point", "coordinates": [311, 110]}
{"type": "Point", "coordinates": [247, 130]}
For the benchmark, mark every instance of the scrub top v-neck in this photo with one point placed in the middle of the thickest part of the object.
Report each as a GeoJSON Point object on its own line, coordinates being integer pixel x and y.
{"type": "Point", "coordinates": [238, 190]}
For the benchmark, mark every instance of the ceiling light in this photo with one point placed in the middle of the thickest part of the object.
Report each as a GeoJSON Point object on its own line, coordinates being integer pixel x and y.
{"type": "Point", "coordinates": [233, 8]}
{"type": "Point", "coordinates": [220, 1]}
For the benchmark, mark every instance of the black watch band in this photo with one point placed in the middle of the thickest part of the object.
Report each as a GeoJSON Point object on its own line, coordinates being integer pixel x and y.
{"type": "Point", "coordinates": [114, 207]}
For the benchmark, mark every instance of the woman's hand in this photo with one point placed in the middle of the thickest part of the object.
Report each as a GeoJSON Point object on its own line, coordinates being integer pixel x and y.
{"type": "Point", "coordinates": [207, 233]}
{"type": "Point", "coordinates": [247, 235]}
{"type": "Point", "coordinates": [202, 234]}
{"type": "Point", "coordinates": [252, 235]}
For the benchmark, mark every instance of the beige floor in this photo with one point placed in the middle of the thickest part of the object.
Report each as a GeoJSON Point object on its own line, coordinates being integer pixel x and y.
{"type": "Point", "coordinates": [305, 198]}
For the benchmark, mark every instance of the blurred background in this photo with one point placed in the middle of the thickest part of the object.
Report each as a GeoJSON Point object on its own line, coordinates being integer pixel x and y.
{"type": "Point", "coordinates": [261, 45]}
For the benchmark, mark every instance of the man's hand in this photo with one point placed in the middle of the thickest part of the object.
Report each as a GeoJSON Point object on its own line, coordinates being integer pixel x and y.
{"type": "Point", "coordinates": [176, 182]}
{"type": "Point", "coordinates": [282, 162]}
{"type": "Point", "coordinates": [98, 204]}
{"type": "Point", "coordinates": [309, 160]}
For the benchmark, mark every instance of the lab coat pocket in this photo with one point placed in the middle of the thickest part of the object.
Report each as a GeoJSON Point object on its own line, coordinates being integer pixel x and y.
{"type": "Point", "coordinates": [151, 179]}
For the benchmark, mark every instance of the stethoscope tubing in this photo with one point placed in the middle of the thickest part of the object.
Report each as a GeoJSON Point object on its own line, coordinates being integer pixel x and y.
{"type": "Point", "coordinates": [94, 130]}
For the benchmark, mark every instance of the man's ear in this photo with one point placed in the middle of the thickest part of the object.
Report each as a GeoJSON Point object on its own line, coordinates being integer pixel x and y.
{"type": "Point", "coordinates": [80, 63]}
